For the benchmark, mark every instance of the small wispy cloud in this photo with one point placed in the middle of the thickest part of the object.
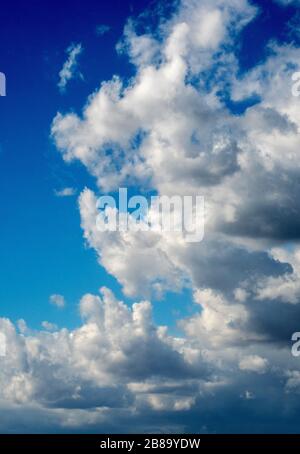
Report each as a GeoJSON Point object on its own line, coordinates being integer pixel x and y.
{"type": "Point", "coordinates": [65, 192]}
{"type": "Point", "coordinates": [58, 300]}
{"type": "Point", "coordinates": [69, 68]}
{"type": "Point", "coordinates": [102, 29]}
{"type": "Point", "coordinates": [49, 326]}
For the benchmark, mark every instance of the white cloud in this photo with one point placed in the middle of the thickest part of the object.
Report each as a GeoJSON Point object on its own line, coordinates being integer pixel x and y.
{"type": "Point", "coordinates": [57, 300]}
{"type": "Point", "coordinates": [190, 144]}
{"type": "Point", "coordinates": [69, 68]}
{"type": "Point", "coordinates": [65, 192]}
{"type": "Point", "coordinates": [93, 369]}
{"type": "Point", "coordinates": [254, 363]}
{"type": "Point", "coordinates": [117, 249]}
{"type": "Point", "coordinates": [49, 326]}
{"type": "Point", "coordinates": [219, 323]}
{"type": "Point", "coordinates": [118, 369]}
{"type": "Point", "coordinates": [285, 287]}
{"type": "Point", "coordinates": [211, 29]}
{"type": "Point", "coordinates": [161, 104]}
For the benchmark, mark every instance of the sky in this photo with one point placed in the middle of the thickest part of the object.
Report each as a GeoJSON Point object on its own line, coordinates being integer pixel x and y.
{"type": "Point", "coordinates": [124, 332]}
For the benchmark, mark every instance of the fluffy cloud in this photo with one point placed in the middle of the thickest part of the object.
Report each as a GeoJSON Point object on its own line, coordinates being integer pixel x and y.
{"type": "Point", "coordinates": [219, 322]}
{"type": "Point", "coordinates": [168, 128]}
{"type": "Point", "coordinates": [120, 371]}
{"type": "Point", "coordinates": [118, 249]}
{"type": "Point", "coordinates": [118, 359]}
{"type": "Point", "coordinates": [168, 115]}
{"type": "Point", "coordinates": [285, 287]}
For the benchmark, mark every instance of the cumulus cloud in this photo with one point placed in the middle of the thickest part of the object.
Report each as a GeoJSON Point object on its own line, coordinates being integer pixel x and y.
{"type": "Point", "coordinates": [118, 249]}
{"type": "Point", "coordinates": [69, 68]}
{"type": "Point", "coordinates": [285, 287]}
{"type": "Point", "coordinates": [219, 322]}
{"type": "Point", "coordinates": [169, 129]}
{"type": "Point", "coordinates": [190, 143]}
{"type": "Point", "coordinates": [118, 359]}
{"type": "Point", "coordinates": [119, 370]}
{"type": "Point", "coordinates": [171, 113]}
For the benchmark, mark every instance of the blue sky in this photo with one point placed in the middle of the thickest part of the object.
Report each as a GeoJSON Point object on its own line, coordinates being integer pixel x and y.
{"type": "Point", "coordinates": [240, 80]}
{"type": "Point", "coordinates": [44, 250]}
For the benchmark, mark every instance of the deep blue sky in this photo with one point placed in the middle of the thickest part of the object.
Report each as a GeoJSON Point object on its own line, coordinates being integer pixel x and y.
{"type": "Point", "coordinates": [42, 250]}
